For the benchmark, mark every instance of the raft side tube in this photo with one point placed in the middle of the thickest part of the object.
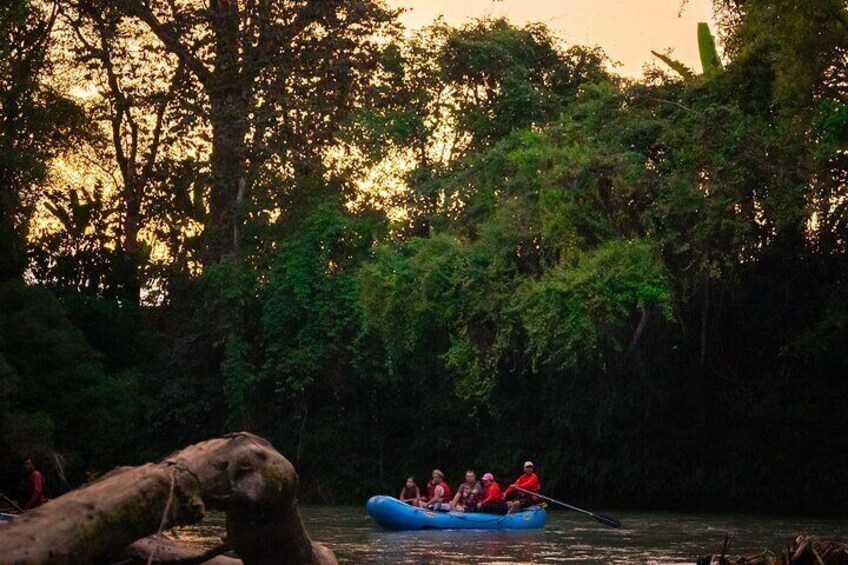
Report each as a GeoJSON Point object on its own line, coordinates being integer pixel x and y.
{"type": "Point", "coordinates": [393, 514]}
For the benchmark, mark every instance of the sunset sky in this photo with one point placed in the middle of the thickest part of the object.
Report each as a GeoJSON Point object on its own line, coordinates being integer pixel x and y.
{"type": "Point", "coordinates": [626, 29]}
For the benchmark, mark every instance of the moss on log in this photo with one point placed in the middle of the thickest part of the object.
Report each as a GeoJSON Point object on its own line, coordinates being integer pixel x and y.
{"type": "Point", "coordinates": [240, 474]}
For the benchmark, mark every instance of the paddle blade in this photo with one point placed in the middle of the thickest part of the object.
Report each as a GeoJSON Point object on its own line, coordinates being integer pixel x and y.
{"type": "Point", "coordinates": [607, 520]}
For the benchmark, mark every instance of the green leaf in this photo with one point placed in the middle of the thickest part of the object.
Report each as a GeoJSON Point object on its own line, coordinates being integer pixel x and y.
{"type": "Point", "coordinates": [710, 60]}
{"type": "Point", "coordinates": [675, 65]}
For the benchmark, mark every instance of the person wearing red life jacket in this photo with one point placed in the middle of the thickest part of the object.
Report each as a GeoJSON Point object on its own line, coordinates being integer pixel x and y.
{"type": "Point", "coordinates": [517, 499]}
{"type": "Point", "coordinates": [493, 502]}
{"type": "Point", "coordinates": [438, 493]}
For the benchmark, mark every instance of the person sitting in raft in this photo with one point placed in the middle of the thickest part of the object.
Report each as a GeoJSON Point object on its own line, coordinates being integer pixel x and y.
{"type": "Point", "coordinates": [410, 493]}
{"type": "Point", "coordinates": [528, 481]}
{"type": "Point", "coordinates": [438, 493]}
{"type": "Point", "coordinates": [468, 494]}
{"type": "Point", "coordinates": [493, 502]}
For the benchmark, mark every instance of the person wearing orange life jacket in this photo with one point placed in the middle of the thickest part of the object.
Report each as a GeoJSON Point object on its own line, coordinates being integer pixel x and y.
{"type": "Point", "coordinates": [528, 481]}
{"type": "Point", "coordinates": [493, 502]}
{"type": "Point", "coordinates": [438, 493]}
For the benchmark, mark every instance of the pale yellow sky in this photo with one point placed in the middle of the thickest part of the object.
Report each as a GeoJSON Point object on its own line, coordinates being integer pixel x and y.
{"type": "Point", "coordinates": [626, 29]}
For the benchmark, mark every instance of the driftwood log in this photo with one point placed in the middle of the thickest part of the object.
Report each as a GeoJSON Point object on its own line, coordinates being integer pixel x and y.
{"type": "Point", "coordinates": [805, 550]}
{"type": "Point", "coordinates": [240, 474]}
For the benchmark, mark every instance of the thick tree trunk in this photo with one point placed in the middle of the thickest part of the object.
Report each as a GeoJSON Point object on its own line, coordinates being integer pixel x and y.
{"type": "Point", "coordinates": [12, 235]}
{"type": "Point", "coordinates": [161, 550]}
{"type": "Point", "coordinates": [229, 101]}
{"type": "Point", "coordinates": [13, 232]}
{"type": "Point", "coordinates": [228, 178]}
{"type": "Point", "coordinates": [640, 329]}
{"type": "Point", "coordinates": [129, 277]}
{"type": "Point", "coordinates": [240, 474]}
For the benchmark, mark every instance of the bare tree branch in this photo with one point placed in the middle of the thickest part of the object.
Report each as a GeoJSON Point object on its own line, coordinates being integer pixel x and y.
{"type": "Point", "coordinates": [168, 37]}
{"type": "Point", "coordinates": [153, 150]}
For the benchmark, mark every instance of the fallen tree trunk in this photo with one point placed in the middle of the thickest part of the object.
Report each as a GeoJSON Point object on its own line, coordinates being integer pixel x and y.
{"type": "Point", "coordinates": [240, 474]}
{"type": "Point", "coordinates": [160, 550]}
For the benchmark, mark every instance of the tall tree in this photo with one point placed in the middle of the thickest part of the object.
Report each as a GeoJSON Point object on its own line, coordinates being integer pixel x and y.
{"type": "Point", "coordinates": [136, 84]}
{"type": "Point", "coordinates": [36, 122]}
{"type": "Point", "coordinates": [243, 52]}
{"type": "Point", "coordinates": [461, 90]}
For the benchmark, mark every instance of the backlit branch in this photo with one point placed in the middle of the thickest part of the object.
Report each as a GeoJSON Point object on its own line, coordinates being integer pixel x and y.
{"type": "Point", "coordinates": [168, 37]}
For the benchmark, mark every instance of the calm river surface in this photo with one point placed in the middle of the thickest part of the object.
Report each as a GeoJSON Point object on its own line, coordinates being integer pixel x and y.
{"type": "Point", "coordinates": [567, 538]}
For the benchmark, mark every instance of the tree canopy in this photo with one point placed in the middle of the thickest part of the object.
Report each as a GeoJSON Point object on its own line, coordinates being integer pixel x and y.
{"type": "Point", "coordinates": [457, 247]}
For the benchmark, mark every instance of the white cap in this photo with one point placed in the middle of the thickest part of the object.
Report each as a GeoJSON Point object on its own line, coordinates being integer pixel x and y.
{"type": "Point", "coordinates": [528, 464]}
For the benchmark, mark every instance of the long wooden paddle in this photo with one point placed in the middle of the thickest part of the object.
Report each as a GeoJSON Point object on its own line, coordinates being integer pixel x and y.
{"type": "Point", "coordinates": [12, 502]}
{"type": "Point", "coordinates": [605, 520]}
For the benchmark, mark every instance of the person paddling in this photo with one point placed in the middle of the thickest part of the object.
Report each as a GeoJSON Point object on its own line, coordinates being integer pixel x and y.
{"type": "Point", "coordinates": [468, 494]}
{"type": "Point", "coordinates": [410, 493]}
{"type": "Point", "coordinates": [34, 482]}
{"type": "Point", "coordinates": [528, 481]}
{"type": "Point", "coordinates": [438, 493]}
{"type": "Point", "coordinates": [493, 502]}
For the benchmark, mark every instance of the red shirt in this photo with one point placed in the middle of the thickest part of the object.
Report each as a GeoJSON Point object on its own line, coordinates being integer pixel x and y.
{"type": "Point", "coordinates": [527, 482]}
{"type": "Point", "coordinates": [492, 494]}
{"type": "Point", "coordinates": [35, 484]}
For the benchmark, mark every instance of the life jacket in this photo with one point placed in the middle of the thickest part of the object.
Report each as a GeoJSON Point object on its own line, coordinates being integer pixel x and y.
{"type": "Point", "coordinates": [492, 491]}
{"type": "Point", "coordinates": [529, 482]}
{"type": "Point", "coordinates": [431, 491]}
{"type": "Point", "coordinates": [470, 493]}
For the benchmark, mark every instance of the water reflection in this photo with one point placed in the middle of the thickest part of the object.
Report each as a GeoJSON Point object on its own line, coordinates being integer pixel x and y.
{"type": "Point", "coordinates": [661, 539]}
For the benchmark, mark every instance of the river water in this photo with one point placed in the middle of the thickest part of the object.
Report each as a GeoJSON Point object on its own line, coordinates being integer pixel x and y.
{"type": "Point", "coordinates": [653, 538]}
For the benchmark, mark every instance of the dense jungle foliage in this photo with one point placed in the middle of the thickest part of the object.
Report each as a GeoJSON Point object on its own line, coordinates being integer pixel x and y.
{"type": "Point", "coordinates": [389, 252]}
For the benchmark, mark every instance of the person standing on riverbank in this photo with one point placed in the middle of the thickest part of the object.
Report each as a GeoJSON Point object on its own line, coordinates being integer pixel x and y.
{"type": "Point", "coordinates": [34, 484]}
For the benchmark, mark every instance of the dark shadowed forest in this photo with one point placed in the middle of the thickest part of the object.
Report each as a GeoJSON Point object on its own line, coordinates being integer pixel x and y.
{"type": "Point", "coordinates": [388, 251]}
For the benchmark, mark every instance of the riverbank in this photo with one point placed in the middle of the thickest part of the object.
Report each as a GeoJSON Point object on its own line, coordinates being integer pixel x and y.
{"type": "Point", "coordinates": [806, 549]}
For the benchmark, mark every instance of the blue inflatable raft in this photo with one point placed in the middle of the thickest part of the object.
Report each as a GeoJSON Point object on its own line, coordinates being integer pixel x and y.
{"type": "Point", "coordinates": [396, 515]}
